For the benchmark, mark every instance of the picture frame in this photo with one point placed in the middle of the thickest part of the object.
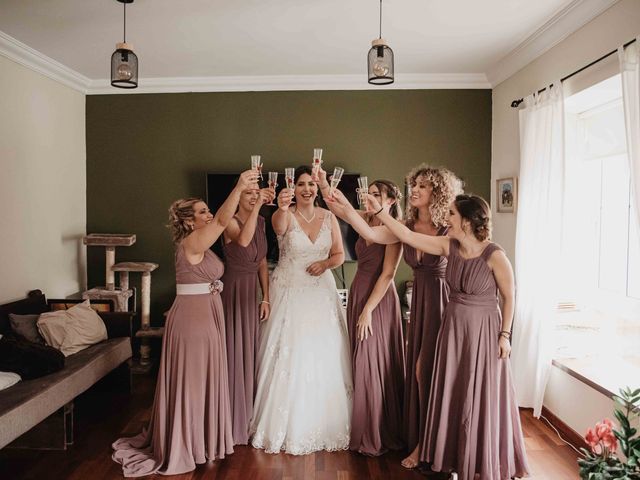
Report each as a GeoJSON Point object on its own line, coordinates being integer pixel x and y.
{"type": "Point", "coordinates": [506, 194]}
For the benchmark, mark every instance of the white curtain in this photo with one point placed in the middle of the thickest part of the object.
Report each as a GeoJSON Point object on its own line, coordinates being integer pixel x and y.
{"type": "Point", "coordinates": [630, 72]}
{"type": "Point", "coordinates": [538, 242]}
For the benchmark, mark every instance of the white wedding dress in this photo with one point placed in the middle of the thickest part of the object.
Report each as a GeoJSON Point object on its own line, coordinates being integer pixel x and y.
{"type": "Point", "coordinates": [304, 387]}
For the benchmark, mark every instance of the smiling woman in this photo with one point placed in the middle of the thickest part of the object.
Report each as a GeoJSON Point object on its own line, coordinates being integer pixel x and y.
{"type": "Point", "coordinates": [191, 418]}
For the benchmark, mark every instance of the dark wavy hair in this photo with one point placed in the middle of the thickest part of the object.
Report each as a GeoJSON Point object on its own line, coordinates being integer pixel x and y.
{"type": "Point", "coordinates": [476, 210]}
{"type": "Point", "coordinates": [301, 170]}
{"type": "Point", "coordinates": [391, 191]}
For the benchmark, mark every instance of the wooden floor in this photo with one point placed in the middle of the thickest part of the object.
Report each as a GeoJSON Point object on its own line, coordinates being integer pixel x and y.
{"type": "Point", "coordinates": [101, 417]}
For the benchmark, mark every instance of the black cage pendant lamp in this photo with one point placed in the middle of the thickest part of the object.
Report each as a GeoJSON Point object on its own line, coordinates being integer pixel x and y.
{"type": "Point", "coordinates": [124, 63]}
{"type": "Point", "coordinates": [380, 59]}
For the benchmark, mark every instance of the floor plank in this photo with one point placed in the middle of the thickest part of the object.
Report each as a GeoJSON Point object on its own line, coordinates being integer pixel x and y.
{"type": "Point", "coordinates": [102, 417]}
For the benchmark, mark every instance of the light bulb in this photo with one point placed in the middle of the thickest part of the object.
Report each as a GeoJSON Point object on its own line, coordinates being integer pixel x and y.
{"type": "Point", "coordinates": [124, 72]}
{"type": "Point", "coordinates": [380, 69]}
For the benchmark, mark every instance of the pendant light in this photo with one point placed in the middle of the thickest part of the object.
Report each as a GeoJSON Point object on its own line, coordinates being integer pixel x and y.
{"type": "Point", "coordinates": [124, 63]}
{"type": "Point", "coordinates": [380, 59]}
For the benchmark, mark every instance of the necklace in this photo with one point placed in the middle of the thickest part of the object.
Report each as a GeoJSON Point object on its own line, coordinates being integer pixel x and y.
{"type": "Point", "coordinates": [308, 220]}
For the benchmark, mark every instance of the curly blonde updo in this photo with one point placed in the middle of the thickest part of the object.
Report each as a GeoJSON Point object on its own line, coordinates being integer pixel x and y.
{"type": "Point", "coordinates": [180, 213]}
{"type": "Point", "coordinates": [477, 212]}
{"type": "Point", "coordinates": [445, 186]}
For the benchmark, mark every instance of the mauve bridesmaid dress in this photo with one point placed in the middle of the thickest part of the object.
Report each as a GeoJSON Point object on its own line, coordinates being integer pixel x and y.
{"type": "Point", "coordinates": [242, 316]}
{"type": "Point", "coordinates": [191, 417]}
{"type": "Point", "coordinates": [378, 361]}
{"type": "Point", "coordinates": [473, 425]}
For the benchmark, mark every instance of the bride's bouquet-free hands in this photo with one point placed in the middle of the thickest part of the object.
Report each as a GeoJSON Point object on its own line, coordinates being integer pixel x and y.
{"type": "Point", "coordinates": [317, 268]}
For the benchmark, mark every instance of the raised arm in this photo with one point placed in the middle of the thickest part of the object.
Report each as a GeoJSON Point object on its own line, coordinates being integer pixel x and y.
{"type": "Point", "coordinates": [426, 243]}
{"type": "Point", "coordinates": [280, 219]}
{"type": "Point", "coordinates": [200, 240]}
{"type": "Point", "coordinates": [392, 254]}
{"type": "Point", "coordinates": [346, 212]}
{"type": "Point", "coordinates": [243, 235]}
{"type": "Point", "coordinates": [503, 273]}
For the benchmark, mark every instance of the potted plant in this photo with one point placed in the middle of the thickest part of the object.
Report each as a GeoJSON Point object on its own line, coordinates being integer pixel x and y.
{"type": "Point", "coordinates": [602, 461]}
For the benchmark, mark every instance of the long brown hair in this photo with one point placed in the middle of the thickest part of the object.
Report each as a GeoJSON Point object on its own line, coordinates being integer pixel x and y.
{"type": "Point", "coordinates": [390, 190]}
{"type": "Point", "coordinates": [476, 210]}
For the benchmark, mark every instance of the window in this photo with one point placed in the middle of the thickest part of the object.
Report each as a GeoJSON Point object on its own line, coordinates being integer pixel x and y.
{"type": "Point", "coordinates": [601, 266]}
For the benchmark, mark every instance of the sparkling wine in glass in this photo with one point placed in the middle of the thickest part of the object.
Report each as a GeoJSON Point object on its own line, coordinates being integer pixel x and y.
{"type": "Point", "coordinates": [363, 191]}
{"type": "Point", "coordinates": [256, 164]}
{"type": "Point", "coordinates": [289, 178]}
{"type": "Point", "coordinates": [335, 179]}
{"type": "Point", "coordinates": [317, 162]}
{"type": "Point", "coordinates": [273, 182]}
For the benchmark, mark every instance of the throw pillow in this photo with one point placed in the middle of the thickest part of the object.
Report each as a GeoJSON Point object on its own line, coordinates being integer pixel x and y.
{"type": "Point", "coordinates": [7, 379]}
{"type": "Point", "coordinates": [25, 326]}
{"type": "Point", "coordinates": [72, 330]}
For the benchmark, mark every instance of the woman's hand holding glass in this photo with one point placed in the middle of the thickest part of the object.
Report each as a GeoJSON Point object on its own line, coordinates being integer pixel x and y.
{"type": "Point", "coordinates": [285, 197]}
{"type": "Point", "coordinates": [248, 180]}
{"type": "Point", "coordinates": [266, 196]}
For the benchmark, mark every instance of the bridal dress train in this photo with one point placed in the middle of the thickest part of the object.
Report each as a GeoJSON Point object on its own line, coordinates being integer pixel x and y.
{"type": "Point", "coordinates": [304, 387]}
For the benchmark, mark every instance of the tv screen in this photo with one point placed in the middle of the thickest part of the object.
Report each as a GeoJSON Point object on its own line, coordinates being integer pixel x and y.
{"type": "Point", "coordinates": [219, 185]}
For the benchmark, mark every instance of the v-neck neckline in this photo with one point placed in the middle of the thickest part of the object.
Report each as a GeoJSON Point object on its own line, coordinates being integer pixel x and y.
{"type": "Point", "coordinates": [313, 242]}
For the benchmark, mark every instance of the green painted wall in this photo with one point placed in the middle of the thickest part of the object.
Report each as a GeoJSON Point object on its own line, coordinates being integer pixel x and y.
{"type": "Point", "coordinates": [146, 150]}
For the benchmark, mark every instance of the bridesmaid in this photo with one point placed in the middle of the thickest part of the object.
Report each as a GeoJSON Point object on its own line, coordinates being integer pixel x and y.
{"type": "Point", "coordinates": [191, 416]}
{"type": "Point", "coordinates": [375, 331]}
{"type": "Point", "coordinates": [432, 190]}
{"type": "Point", "coordinates": [245, 250]}
{"type": "Point", "coordinates": [473, 424]}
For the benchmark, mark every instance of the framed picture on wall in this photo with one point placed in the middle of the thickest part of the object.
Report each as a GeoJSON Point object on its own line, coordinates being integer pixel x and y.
{"type": "Point", "coordinates": [506, 194]}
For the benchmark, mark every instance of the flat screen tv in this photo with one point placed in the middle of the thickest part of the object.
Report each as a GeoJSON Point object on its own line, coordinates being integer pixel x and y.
{"type": "Point", "coordinates": [219, 185]}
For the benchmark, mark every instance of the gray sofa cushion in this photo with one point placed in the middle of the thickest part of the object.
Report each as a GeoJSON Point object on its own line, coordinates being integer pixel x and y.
{"type": "Point", "coordinates": [28, 403]}
{"type": "Point", "coordinates": [25, 326]}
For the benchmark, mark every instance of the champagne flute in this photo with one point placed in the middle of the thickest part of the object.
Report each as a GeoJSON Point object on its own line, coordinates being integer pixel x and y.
{"type": "Point", "coordinates": [363, 191]}
{"type": "Point", "coordinates": [289, 178]}
{"type": "Point", "coordinates": [335, 179]}
{"type": "Point", "coordinates": [273, 182]}
{"type": "Point", "coordinates": [317, 162]}
{"type": "Point", "coordinates": [256, 164]}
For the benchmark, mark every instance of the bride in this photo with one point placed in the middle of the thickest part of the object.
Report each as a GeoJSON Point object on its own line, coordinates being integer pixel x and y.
{"type": "Point", "coordinates": [303, 397]}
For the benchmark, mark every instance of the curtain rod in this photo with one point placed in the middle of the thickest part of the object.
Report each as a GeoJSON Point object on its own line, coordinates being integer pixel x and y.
{"type": "Point", "coordinates": [516, 103]}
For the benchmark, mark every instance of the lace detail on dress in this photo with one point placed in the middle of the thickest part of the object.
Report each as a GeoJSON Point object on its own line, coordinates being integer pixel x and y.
{"type": "Point", "coordinates": [304, 390]}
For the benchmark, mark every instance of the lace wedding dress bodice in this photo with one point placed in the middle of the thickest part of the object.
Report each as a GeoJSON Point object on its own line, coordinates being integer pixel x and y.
{"type": "Point", "coordinates": [303, 397]}
{"type": "Point", "coordinates": [297, 252]}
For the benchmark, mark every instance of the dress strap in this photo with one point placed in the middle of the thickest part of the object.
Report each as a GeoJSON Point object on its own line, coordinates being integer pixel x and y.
{"type": "Point", "coordinates": [489, 249]}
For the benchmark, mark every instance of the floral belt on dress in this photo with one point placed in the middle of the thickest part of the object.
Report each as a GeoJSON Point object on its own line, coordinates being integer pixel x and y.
{"type": "Point", "coordinates": [199, 288]}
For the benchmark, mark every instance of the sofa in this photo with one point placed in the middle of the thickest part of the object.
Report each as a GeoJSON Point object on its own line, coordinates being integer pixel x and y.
{"type": "Point", "coordinates": [38, 413]}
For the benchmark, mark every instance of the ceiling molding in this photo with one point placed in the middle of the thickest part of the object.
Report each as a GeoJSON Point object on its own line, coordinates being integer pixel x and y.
{"type": "Point", "coordinates": [294, 83]}
{"type": "Point", "coordinates": [38, 62]}
{"type": "Point", "coordinates": [564, 23]}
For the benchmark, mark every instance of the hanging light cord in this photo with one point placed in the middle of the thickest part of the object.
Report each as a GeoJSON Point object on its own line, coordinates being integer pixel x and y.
{"type": "Point", "coordinates": [380, 36]}
{"type": "Point", "coordinates": [125, 21]}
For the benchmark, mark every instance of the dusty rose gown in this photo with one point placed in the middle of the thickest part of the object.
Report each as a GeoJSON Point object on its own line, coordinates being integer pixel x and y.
{"type": "Point", "coordinates": [430, 296]}
{"type": "Point", "coordinates": [378, 361]}
{"type": "Point", "coordinates": [241, 313]}
{"type": "Point", "coordinates": [191, 417]}
{"type": "Point", "coordinates": [473, 422]}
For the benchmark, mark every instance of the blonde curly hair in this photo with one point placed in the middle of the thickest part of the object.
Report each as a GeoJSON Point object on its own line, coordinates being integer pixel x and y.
{"type": "Point", "coordinates": [180, 212]}
{"type": "Point", "coordinates": [446, 186]}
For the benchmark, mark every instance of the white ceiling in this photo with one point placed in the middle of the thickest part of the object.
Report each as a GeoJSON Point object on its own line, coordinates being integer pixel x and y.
{"type": "Point", "coordinates": [213, 39]}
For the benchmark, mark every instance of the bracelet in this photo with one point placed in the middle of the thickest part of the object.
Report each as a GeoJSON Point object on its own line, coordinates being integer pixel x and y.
{"type": "Point", "coordinates": [264, 301]}
{"type": "Point", "coordinates": [505, 334]}
{"type": "Point", "coordinates": [381, 208]}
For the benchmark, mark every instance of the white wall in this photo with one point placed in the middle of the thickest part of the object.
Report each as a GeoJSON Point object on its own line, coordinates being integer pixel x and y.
{"type": "Point", "coordinates": [575, 403]}
{"type": "Point", "coordinates": [42, 184]}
